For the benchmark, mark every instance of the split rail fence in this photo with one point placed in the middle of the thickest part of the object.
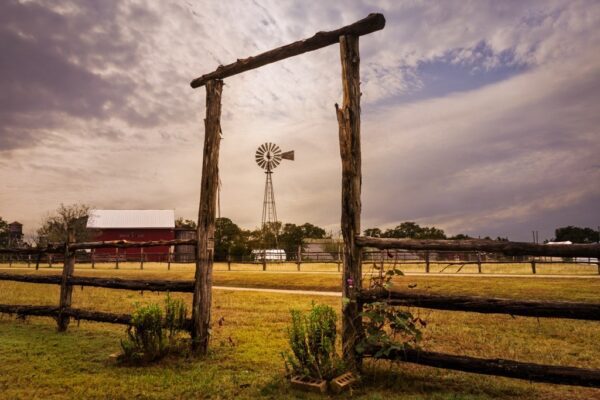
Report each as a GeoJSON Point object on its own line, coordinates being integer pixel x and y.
{"type": "Point", "coordinates": [527, 308]}
{"type": "Point", "coordinates": [63, 312]}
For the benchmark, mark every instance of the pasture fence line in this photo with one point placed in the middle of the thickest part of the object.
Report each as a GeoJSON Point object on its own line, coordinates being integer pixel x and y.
{"type": "Point", "coordinates": [528, 308]}
{"type": "Point", "coordinates": [64, 312]}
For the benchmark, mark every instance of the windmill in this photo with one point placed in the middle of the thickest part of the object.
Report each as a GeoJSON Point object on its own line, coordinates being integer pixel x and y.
{"type": "Point", "coordinates": [268, 156]}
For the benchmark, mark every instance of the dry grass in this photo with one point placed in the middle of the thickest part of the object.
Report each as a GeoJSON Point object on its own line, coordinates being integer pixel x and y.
{"type": "Point", "coordinates": [37, 362]}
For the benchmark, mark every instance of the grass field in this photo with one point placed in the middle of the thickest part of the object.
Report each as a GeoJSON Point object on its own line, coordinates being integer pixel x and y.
{"type": "Point", "coordinates": [245, 362]}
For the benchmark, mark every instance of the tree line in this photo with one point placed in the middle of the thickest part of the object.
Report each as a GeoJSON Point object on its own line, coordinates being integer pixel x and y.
{"type": "Point", "coordinates": [239, 242]}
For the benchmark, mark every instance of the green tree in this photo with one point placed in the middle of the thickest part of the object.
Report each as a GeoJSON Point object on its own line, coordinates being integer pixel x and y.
{"type": "Point", "coordinates": [412, 230]}
{"type": "Point", "coordinates": [4, 233]}
{"type": "Point", "coordinates": [373, 232]}
{"type": "Point", "coordinates": [228, 239]}
{"type": "Point", "coordinates": [55, 226]}
{"type": "Point", "coordinates": [576, 234]}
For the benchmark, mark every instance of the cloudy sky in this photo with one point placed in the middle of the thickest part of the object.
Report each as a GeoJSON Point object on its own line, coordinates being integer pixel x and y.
{"type": "Point", "coordinates": [479, 117]}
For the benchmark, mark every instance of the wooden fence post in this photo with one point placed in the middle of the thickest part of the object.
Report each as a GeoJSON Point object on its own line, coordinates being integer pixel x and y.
{"type": "Point", "coordinates": [533, 270]}
{"type": "Point", "coordinates": [37, 261]}
{"type": "Point", "coordinates": [478, 262]}
{"type": "Point", "coordinates": [206, 219]}
{"type": "Point", "coordinates": [49, 260]}
{"type": "Point", "coordinates": [427, 261]}
{"type": "Point", "coordinates": [264, 260]}
{"type": "Point", "coordinates": [169, 258]}
{"type": "Point", "coordinates": [348, 117]}
{"type": "Point", "coordinates": [93, 260]}
{"type": "Point", "coordinates": [228, 261]}
{"type": "Point", "coordinates": [116, 258]}
{"type": "Point", "coordinates": [66, 290]}
{"type": "Point", "coordinates": [299, 257]}
{"type": "Point", "coordinates": [141, 258]}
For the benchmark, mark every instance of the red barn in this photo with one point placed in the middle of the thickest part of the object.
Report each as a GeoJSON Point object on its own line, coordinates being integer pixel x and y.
{"type": "Point", "coordinates": [134, 226]}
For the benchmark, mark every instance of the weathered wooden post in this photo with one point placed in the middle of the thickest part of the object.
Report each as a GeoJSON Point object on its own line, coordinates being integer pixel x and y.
{"type": "Point", "coordinates": [37, 261]}
{"type": "Point", "coordinates": [299, 257]}
{"type": "Point", "coordinates": [427, 261]}
{"type": "Point", "coordinates": [141, 258]}
{"type": "Point", "coordinates": [206, 218]}
{"type": "Point", "coordinates": [228, 260]}
{"type": "Point", "coordinates": [66, 290]}
{"type": "Point", "coordinates": [533, 269]}
{"type": "Point", "coordinates": [348, 117]}
{"type": "Point", "coordinates": [116, 258]}
{"type": "Point", "coordinates": [478, 262]}
{"type": "Point", "coordinates": [169, 258]}
{"type": "Point", "coordinates": [264, 260]}
{"type": "Point", "coordinates": [93, 259]}
{"type": "Point", "coordinates": [49, 260]}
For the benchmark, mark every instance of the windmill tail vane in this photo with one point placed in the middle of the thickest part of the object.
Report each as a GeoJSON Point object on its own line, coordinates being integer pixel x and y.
{"type": "Point", "coordinates": [268, 156]}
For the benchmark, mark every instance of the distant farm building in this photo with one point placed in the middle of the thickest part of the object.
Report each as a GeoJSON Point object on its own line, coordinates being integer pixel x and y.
{"type": "Point", "coordinates": [133, 226]}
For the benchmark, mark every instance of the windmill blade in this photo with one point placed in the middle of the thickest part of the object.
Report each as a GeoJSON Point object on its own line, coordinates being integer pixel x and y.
{"type": "Point", "coordinates": [288, 155]}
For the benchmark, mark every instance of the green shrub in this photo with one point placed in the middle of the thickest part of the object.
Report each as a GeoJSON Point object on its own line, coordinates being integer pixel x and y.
{"type": "Point", "coordinates": [150, 336]}
{"type": "Point", "coordinates": [312, 339]}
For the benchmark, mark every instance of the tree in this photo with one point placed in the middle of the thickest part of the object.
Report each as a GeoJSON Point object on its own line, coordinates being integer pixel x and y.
{"type": "Point", "coordinates": [412, 230]}
{"type": "Point", "coordinates": [4, 233]}
{"type": "Point", "coordinates": [55, 226]}
{"type": "Point", "coordinates": [228, 239]}
{"type": "Point", "coordinates": [187, 223]}
{"type": "Point", "coordinates": [373, 232]}
{"type": "Point", "coordinates": [576, 234]}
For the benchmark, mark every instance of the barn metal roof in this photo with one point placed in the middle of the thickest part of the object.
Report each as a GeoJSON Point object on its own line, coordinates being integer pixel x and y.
{"type": "Point", "coordinates": [107, 219]}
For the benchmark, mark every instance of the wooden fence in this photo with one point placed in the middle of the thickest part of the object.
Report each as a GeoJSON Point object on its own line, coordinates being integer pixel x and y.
{"type": "Point", "coordinates": [538, 309]}
{"type": "Point", "coordinates": [64, 312]}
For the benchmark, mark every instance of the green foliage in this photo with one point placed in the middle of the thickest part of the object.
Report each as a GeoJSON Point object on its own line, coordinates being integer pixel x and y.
{"type": "Point", "coordinates": [408, 230]}
{"type": "Point", "coordinates": [4, 233]}
{"type": "Point", "coordinates": [576, 234]}
{"type": "Point", "coordinates": [55, 226]}
{"type": "Point", "coordinates": [388, 327]}
{"type": "Point", "coordinates": [312, 339]}
{"type": "Point", "coordinates": [151, 336]}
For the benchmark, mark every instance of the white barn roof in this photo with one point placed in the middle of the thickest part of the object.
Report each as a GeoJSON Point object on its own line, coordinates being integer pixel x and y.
{"type": "Point", "coordinates": [107, 219]}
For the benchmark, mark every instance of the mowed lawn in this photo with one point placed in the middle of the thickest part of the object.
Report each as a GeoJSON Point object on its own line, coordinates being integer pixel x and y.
{"type": "Point", "coordinates": [245, 359]}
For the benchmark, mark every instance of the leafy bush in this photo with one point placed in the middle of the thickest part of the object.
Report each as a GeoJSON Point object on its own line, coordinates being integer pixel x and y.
{"type": "Point", "coordinates": [150, 336]}
{"type": "Point", "coordinates": [312, 339]}
{"type": "Point", "coordinates": [388, 327]}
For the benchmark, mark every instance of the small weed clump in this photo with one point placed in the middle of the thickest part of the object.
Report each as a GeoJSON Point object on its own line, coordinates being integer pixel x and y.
{"type": "Point", "coordinates": [312, 339]}
{"type": "Point", "coordinates": [151, 336]}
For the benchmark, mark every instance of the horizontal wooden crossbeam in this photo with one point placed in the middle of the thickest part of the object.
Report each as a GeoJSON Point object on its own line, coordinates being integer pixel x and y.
{"type": "Point", "coordinates": [372, 23]}
{"type": "Point", "coordinates": [482, 245]}
{"type": "Point", "coordinates": [486, 305]}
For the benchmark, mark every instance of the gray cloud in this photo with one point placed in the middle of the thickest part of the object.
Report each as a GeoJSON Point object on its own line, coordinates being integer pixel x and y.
{"type": "Point", "coordinates": [477, 116]}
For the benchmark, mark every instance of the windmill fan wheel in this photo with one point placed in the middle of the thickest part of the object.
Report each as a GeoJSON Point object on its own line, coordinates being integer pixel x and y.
{"type": "Point", "coordinates": [268, 156]}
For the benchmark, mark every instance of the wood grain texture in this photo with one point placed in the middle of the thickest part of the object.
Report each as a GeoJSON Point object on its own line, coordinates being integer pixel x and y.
{"type": "Point", "coordinates": [206, 219]}
{"type": "Point", "coordinates": [498, 367]}
{"type": "Point", "coordinates": [490, 246]}
{"type": "Point", "coordinates": [487, 305]}
{"type": "Point", "coordinates": [348, 117]}
{"type": "Point", "coordinates": [372, 23]}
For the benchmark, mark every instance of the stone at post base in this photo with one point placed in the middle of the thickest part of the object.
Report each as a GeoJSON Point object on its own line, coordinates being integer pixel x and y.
{"type": "Point", "coordinates": [309, 384]}
{"type": "Point", "coordinates": [342, 382]}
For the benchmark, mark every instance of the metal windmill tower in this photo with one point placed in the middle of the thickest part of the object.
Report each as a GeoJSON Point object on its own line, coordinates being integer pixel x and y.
{"type": "Point", "coordinates": [268, 156]}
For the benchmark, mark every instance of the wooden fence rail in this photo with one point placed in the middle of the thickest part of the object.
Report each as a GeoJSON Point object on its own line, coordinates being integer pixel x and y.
{"type": "Point", "coordinates": [492, 246]}
{"type": "Point", "coordinates": [115, 244]}
{"type": "Point", "coordinates": [487, 305]}
{"type": "Point", "coordinates": [497, 367]}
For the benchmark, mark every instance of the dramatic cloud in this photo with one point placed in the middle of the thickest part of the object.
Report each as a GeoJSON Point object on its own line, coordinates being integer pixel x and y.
{"type": "Point", "coordinates": [479, 117]}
